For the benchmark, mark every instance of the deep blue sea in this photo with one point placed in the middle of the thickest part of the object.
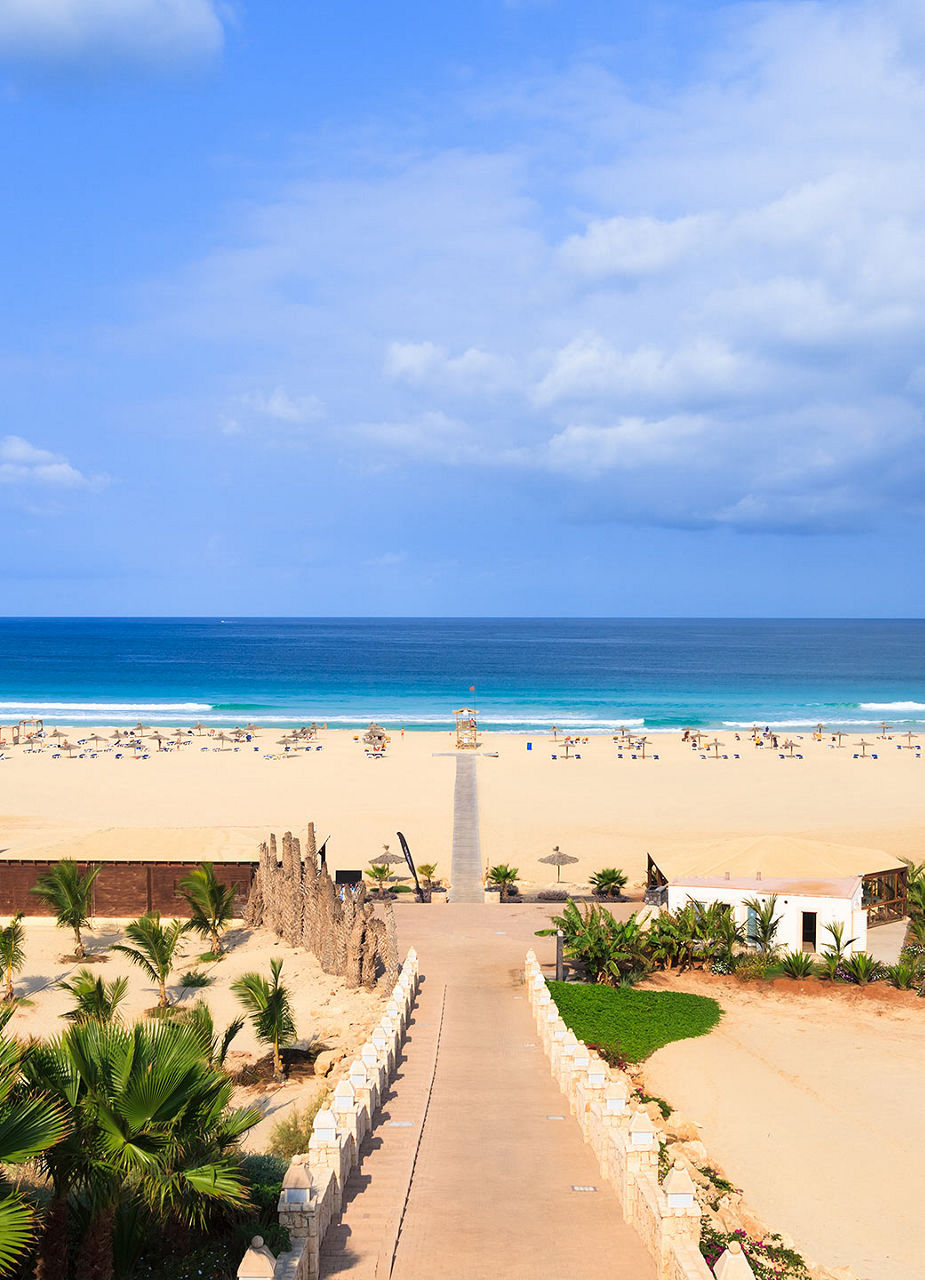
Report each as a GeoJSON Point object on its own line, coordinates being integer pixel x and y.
{"type": "Point", "coordinates": [589, 674]}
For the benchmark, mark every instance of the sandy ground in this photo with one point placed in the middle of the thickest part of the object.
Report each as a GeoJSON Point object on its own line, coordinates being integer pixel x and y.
{"type": "Point", "coordinates": [197, 803]}
{"type": "Point", "coordinates": [813, 1106]}
{"type": "Point", "coordinates": [326, 1010]}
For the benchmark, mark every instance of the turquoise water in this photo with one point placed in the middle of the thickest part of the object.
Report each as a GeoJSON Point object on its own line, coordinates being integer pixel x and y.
{"type": "Point", "coordinates": [587, 674]}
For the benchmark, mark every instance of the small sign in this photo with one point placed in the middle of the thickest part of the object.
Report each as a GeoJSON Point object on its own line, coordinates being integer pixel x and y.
{"type": "Point", "coordinates": [555, 1117]}
{"type": "Point", "coordinates": [399, 1124]}
{"type": "Point", "coordinates": [578, 1188]}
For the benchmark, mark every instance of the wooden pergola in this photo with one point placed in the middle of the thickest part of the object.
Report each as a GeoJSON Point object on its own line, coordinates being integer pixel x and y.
{"type": "Point", "coordinates": [467, 729]}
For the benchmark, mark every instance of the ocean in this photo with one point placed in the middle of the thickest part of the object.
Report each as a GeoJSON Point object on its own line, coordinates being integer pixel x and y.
{"type": "Point", "coordinates": [529, 673]}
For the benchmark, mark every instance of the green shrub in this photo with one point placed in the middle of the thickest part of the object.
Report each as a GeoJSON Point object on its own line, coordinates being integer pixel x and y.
{"type": "Point", "coordinates": [901, 975]}
{"type": "Point", "coordinates": [634, 1022]}
{"type": "Point", "coordinates": [195, 978]}
{"type": "Point", "coordinates": [797, 964]}
{"type": "Point", "coordinates": [290, 1136]}
{"type": "Point", "coordinates": [863, 968]}
{"type": "Point", "coordinates": [753, 965]}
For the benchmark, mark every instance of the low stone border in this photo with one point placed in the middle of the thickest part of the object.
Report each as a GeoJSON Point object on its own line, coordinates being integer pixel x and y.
{"type": "Point", "coordinates": [313, 1188]}
{"type": "Point", "coordinates": [626, 1143]}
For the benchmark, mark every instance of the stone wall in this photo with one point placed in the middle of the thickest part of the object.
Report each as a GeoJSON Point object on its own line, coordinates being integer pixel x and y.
{"type": "Point", "coordinates": [625, 1141]}
{"type": "Point", "coordinates": [313, 1188]}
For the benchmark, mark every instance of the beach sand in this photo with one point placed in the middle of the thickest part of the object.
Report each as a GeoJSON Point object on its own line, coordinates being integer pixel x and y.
{"type": "Point", "coordinates": [195, 803]}
{"type": "Point", "coordinates": [327, 1012]}
{"type": "Point", "coordinates": [812, 1105]}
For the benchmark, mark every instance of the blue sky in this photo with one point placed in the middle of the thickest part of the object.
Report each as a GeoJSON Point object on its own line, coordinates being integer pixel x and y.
{"type": "Point", "coordinates": [524, 307]}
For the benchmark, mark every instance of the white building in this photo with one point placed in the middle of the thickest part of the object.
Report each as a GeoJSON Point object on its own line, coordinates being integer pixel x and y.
{"type": "Point", "coordinates": [815, 884]}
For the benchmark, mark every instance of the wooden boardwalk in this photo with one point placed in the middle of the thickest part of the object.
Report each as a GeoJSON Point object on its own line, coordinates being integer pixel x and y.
{"type": "Point", "coordinates": [466, 869]}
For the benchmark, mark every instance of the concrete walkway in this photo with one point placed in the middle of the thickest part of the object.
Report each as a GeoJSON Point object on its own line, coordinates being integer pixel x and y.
{"type": "Point", "coordinates": [466, 871]}
{"type": "Point", "coordinates": [472, 1170]}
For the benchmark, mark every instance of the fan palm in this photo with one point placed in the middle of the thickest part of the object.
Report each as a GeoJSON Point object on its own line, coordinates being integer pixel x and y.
{"type": "Point", "coordinates": [30, 1122]}
{"type": "Point", "coordinates": [152, 1128]}
{"type": "Point", "coordinates": [95, 998]}
{"type": "Point", "coordinates": [270, 1010]}
{"type": "Point", "coordinates": [608, 882]}
{"type": "Point", "coordinates": [70, 896]}
{"type": "Point", "coordinates": [154, 949]}
{"type": "Point", "coordinates": [12, 952]}
{"type": "Point", "coordinates": [211, 904]}
{"type": "Point", "coordinates": [504, 877]}
{"type": "Point", "coordinates": [380, 874]}
{"type": "Point", "coordinates": [428, 872]}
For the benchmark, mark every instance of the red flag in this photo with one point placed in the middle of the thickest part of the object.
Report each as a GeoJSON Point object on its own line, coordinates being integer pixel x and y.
{"type": "Point", "coordinates": [472, 688]}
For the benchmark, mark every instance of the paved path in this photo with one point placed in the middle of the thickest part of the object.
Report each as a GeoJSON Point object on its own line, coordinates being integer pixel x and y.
{"type": "Point", "coordinates": [466, 871]}
{"type": "Point", "coordinates": [480, 1183]}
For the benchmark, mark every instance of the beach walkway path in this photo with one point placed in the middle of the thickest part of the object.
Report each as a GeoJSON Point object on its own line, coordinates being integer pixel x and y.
{"type": "Point", "coordinates": [472, 1168]}
{"type": "Point", "coordinates": [466, 870]}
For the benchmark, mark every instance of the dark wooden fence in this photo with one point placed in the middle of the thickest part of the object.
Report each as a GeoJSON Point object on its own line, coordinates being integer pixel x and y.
{"type": "Point", "coordinates": [122, 889]}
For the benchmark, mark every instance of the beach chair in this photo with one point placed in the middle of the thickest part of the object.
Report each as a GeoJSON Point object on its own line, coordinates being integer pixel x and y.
{"type": "Point", "coordinates": [577, 755]}
{"type": "Point", "coordinates": [855, 756]}
{"type": "Point", "coordinates": [118, 755]}
{"type": "Point", "coordinates": [554, 757]}
{"type": "Point", "coordinates": [655, 757]}
{"type": "Point", "coordinates": [874, 756]}
{"type": "Point", "coordinates": [781, 756]}
{"type": "Point", "coordinates": [56, 755]}
{"type": "Point", "coordinates": [735, 755]}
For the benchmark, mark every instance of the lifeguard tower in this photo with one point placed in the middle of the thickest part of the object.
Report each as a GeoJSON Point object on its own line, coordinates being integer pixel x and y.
{"type": "Point", "coordinates": [467, 729]}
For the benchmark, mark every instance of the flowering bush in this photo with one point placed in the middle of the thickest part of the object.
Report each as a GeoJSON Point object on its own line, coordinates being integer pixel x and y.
{"type": "Point", "coordinates": [769, 1259]}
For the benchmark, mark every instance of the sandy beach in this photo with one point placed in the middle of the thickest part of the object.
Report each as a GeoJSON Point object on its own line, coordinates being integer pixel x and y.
{"type": "Point", "coordinates": [199, 802]}
{"type": "Point", "coordinates": [811, 1104]}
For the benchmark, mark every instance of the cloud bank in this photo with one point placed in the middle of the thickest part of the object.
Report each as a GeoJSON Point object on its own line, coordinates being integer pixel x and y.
{"type": "Point", "coordinates": [23, 463]}
{"type": "Point", "coordinates": [156, 33]}
{"type": "Point", "coordinates": [701, 306]}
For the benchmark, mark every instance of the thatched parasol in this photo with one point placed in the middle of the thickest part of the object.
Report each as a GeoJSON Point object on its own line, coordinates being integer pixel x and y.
{"type": "Point", "coordinates": [197, 728]}
{"type": "Point", "coordinates": [558, 859]}
{"type": "Point", "coordinates": [387, 859]}
{"type": "Point", "coordinates": [56, 733]}
{"type": "Point", "coordinates": [96, 737]}
{"type": "Point", "coordinates": [252, 728]}
{"type": "Point", "coordinates": [222, 737]}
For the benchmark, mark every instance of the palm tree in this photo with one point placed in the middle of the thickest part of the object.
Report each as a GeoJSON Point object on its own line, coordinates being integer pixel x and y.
{"type": "Point", "coordinates": [12, 952]}
{"type": "Point", "coordinates": [30, 1123]}
{"type": "Point", "coordinates": [766, 924]}
{"type": "Point", "coordinates": [151, 1128]}
{"type": "Point", "coordinates": [95, 998]}
{"type": "Point", "coordinates": [211, 904]}
{"type": "Point", "coordinates": [664, 942]}
{"type": "Point", "coordinates": [380, 875]}
{"type": "Point", "coordinates": [270, 1010]}
{"type": "Point", "coordinates": [609, 882]}
{"type": "Point", "coordinates": [836, 951]}
{"type": "Point", "coordinates": [199, 1018]}
{"type": "Point", "coordinates": [504, 877]}
{"type": "Point", "coordinates": [155, 948]}
{"type": "Point", "coordinates": [429, 871]}
{"type": "Point", "coordinates": [722, 935]}
{"type": "Point", "coordinates": [70, 896]}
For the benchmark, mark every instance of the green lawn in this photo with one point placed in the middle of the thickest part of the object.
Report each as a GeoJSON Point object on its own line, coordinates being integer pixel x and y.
{"type": "Point", "coordinates": [633, 1021]}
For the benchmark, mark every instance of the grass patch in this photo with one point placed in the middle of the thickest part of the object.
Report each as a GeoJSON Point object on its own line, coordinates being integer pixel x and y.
{"type": "Point", "coordinates": [195, 978]}
{"type": "Point", "coordinates": [635, 1022]}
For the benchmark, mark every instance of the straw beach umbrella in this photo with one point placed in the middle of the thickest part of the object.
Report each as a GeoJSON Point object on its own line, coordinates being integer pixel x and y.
{"type": "Point", "coordinates": [863, 745]}
{"type": "Point", "coordinates": [387, 859]}
{"type": "Point", "coordinates": [222, 737]}
{"type": "Point", "coordinates": [197, 728]}
{"type": "Point", "coordinates": [558, 859]}
{"type": "Point", "coordinates": [96, 737]}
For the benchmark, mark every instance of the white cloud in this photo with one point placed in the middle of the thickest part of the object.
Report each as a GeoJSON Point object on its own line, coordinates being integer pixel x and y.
{"type": "Point", "coordinates": [632, 246]}
{"type": "Point", "coordinates": [22, 463]}
{"type": "Point", "coordinates": [590, 368]}
{"type": "Point", "coordinates": [472, 372]}
{"type": "Point", "coordinates": [283, 407]}
{"type": "Point", "coordinates": [69, 32]}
